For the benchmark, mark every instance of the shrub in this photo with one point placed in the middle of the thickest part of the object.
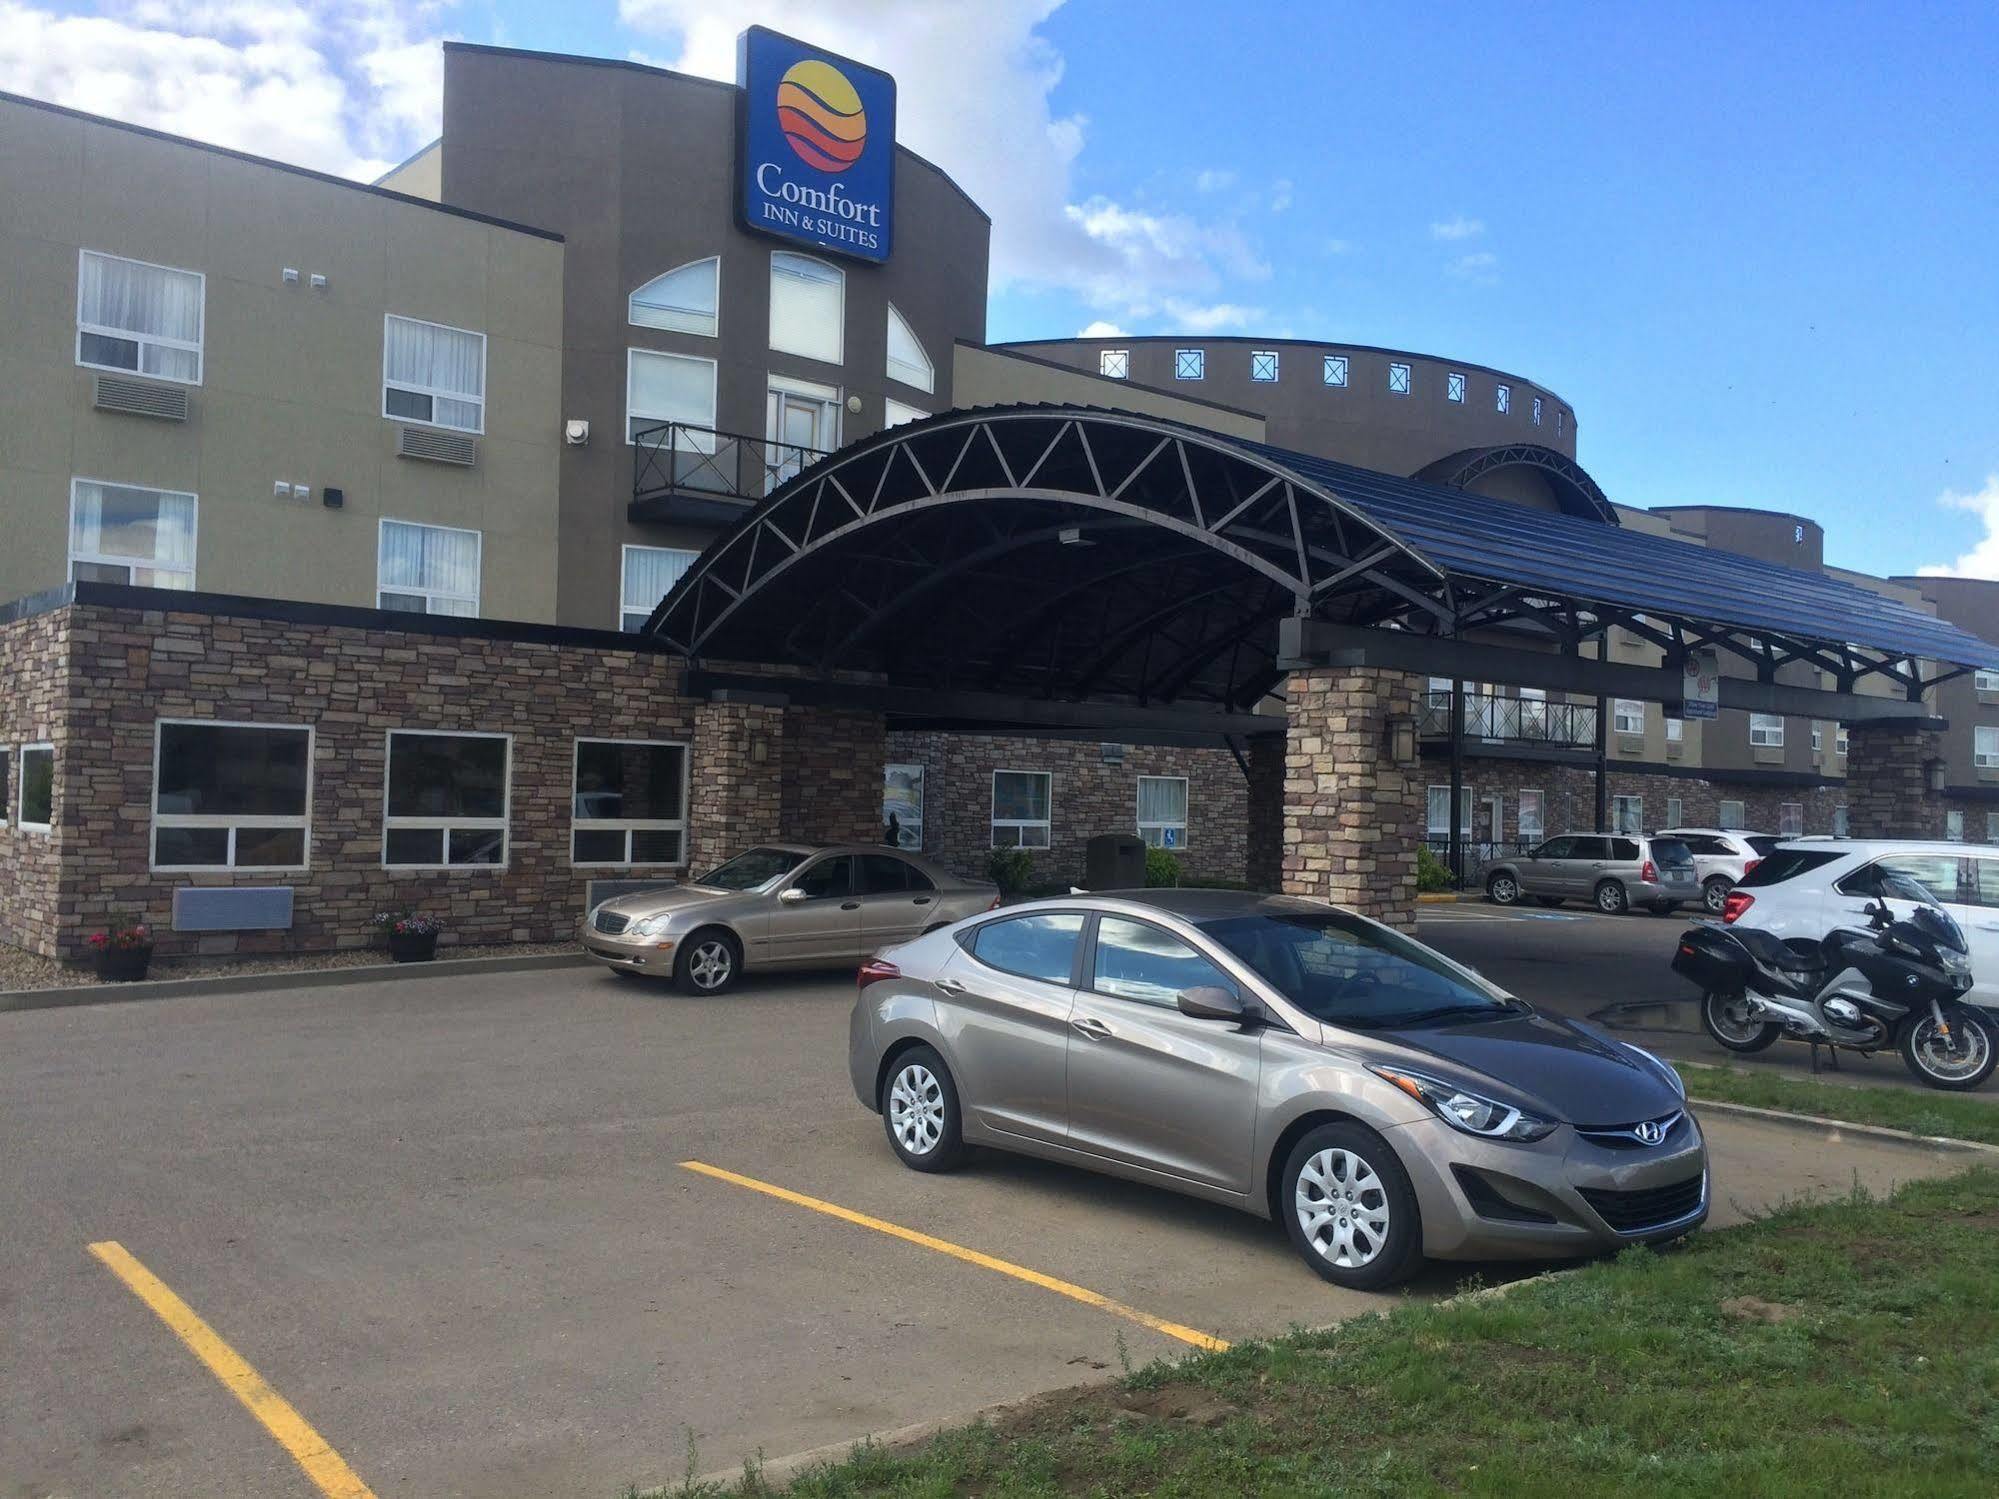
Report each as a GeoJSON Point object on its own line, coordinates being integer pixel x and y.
{"type": "Point", "coordinates": [1162, 870]}
{"type": "Point", "coordinates": [1431, 874]}
{"type": "Point", "coordinates": [122, 935]}
{"type": "Point", "coordinates": [1012, 869]}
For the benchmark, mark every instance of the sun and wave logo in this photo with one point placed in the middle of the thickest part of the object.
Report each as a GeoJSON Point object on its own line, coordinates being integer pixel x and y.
{"type": "Point", "coordinates": [821, 116]}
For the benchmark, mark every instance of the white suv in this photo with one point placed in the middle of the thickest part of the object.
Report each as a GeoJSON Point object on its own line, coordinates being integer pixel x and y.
{"type": "Point", "coordinates": [1805, 888]}
{"type": "Point", "coordinates": [1722, 856]}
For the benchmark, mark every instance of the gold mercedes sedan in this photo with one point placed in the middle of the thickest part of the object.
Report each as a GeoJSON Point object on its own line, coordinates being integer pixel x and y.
{"type": "Point", "coordinates": [779, 905]}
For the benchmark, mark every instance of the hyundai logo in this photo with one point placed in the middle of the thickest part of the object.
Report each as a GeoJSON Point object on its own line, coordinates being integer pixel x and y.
{"type": "Point", "coordinates": [1651, 1132]}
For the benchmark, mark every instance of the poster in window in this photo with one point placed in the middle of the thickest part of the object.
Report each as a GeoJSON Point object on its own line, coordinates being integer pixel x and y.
{"type": "Point", "coordinates": [902, 806]}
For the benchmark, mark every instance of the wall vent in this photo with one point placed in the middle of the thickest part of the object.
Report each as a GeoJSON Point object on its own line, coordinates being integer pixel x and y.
{"type": "Point", "coordinates": [140, 398]}
{"type": "Point", "coordinates": [437, 446]}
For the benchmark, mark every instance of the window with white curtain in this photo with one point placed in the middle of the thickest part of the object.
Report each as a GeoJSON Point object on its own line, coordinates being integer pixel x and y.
{"type": "Point", "coordinates": [1730, 815]}
{"type": "Point", "coordinates": [808, 307]}
{"type": "Point", "coordinates": [1790, 819]}
{"type": "Point", "coordinates": [687, 299]}
{"type": "Point", "coordinates": [671, 388]}
{"type": "Point", "coordinates": [427, 569]}
{"type": "Point", "coordinates": [649, 574]}
{"type": "Point", "coordinates": [1437, 811]}
{"type": "Point", "coordinates": [895, 413]}
{"type": "Point", "coordinates": [134, 316]}
{"type": "Point", "coordinates": [1162, 811]}
{"type": "Point", "coordinates": [1532, 814]}
{"type": "Point", "coordinates": [1627, 815]}
{"type": "Point", "coordinates": [123, 533]}
{"type": "Point", "coordinates": [1985, 747]}
{"type": "Point", "coordinates": [906, 360]}
{"type": "Point", "coordinates": [433, 374]}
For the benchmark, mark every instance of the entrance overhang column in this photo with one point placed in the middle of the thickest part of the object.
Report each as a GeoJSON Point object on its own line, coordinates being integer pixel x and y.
{"type": "Point", "coordinates": [1894, 779]}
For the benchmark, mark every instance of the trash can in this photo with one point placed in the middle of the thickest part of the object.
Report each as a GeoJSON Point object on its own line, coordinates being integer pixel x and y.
{"type": "Point", "coordinates": [1114, 861]}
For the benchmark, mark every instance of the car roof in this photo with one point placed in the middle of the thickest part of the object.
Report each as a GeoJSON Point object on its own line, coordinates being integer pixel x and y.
{"type": "Point", "coordinates": [1870, 847]}
{"type": "Point", "coordinates": [1197, 905]}
{"type": "Point", "coordinates": [1715, 832]}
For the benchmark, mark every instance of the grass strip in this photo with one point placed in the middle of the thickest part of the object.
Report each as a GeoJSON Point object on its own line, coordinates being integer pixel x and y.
{"type": "Point", "coordinates": [1925, 1112]}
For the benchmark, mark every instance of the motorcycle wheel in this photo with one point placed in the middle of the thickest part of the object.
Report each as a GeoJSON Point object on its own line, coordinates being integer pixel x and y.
{"type": "Point", "coordinates": [1726, 1017]}
{"type": "Point", "coordinates": [1957, 1062]}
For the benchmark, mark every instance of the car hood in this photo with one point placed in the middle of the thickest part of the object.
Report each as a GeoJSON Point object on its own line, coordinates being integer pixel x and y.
{"type": "Point", "coordinates": [667, 898]}
{"type": "Point", "coordinates": [1553, 1066]}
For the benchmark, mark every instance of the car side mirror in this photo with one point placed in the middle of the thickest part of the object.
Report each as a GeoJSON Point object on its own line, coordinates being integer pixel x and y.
{"type": "Point", "coordinates": [791, 895]}
{"type": "Point", "coordinates": [1212, 1002]}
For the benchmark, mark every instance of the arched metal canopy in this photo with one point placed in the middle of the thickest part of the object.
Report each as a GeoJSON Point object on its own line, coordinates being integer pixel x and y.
{"type": "Point", "coordinates": [1575, 491]}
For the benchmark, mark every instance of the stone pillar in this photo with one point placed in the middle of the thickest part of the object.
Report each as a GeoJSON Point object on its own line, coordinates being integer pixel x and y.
{"type": "Point", "coordinates": [1353, 818]}
{"type": "Point", "coordinates": [1888, 791]}
{"type": "Point", "coordinates": [1265, 868]}
{"type": "Point", "coordinates": [734, 781]}
{"type": "Point", "coordinates": [833, 759]}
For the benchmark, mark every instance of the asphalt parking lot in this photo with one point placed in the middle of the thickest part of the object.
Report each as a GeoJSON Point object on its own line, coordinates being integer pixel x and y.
{"type": "Point", "coordinates": [446, 1221]}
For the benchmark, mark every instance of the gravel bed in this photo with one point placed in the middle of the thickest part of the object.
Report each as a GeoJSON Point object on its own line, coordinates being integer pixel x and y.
{"type": "Point", "coordinates": [24, 970]}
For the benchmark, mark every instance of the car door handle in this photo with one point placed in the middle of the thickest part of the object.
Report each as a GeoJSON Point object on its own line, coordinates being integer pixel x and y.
{"type": "Point", "coordinates": [921, 900]}
{"type": "Point", "coordinates": [948, 986]}
{"type": "Point", "coordinates": [850, 905]}
{"type": "Point", "coordinates": [1092, 1027]}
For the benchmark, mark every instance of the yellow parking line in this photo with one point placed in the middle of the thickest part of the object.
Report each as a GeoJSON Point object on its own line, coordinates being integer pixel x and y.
{"type": "Point", "coordinates": [970, 1256]}
{"type": "Point", "coordinates": [307, 1447]}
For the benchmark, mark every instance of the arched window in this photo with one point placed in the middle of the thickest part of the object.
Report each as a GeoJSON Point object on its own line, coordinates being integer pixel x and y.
{"type": "Point", "coordinates": [684, 300]}
{"type": "Point", "coordinates": [906, 360]}
{"type": "Point", "coordinates": [808, 306]}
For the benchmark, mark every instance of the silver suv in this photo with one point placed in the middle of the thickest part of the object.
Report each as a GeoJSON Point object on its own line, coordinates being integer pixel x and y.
{"type": "Point", "coordinates": [1722, 857]}
{"type": "Point", "coordinates": [1613, 871]}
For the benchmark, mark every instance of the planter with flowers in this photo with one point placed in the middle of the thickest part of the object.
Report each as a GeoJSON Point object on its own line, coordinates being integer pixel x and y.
{"type": "Point", "coordinates": [123, 952]}
{"type": "Point", "coordinates": [412, 937]}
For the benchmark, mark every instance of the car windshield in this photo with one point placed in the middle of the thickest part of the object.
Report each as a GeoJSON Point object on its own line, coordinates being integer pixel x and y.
{"type": "Point", "coordinates": [1346, 972]}
{"type": "Point", "coordinates": [751, 870]}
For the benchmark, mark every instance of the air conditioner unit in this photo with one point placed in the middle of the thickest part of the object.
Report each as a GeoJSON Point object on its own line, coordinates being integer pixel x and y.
{"type": "Point", "coordinates": [437, 446]}
{"type": "Point", "coordinates": [131, 397]}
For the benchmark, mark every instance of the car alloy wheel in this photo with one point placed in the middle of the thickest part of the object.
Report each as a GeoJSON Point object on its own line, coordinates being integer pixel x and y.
{"type": "Point", "coordinates": [1611, 899]}
{"type": "Point", "coordinates": [916, 1109]}
{"type": "Point", "coordinates": [1715, 896]}
{"type": "Point", "coordinates": [708, 963]}
{"type": "Point", "coordinates": [1342, 1208]}
{"type": "Point", "coordinates": [1503, 889]}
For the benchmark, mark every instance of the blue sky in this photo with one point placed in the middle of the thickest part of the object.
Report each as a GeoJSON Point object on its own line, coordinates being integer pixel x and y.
{"type": "Point", "coordinates": [1753, 245]}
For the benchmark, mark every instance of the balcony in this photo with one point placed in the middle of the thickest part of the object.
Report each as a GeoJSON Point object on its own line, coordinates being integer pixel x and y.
{"type": "Point", "coordinates": [1514, 721]}
{"type": "Point", "coordinates": [698, 476]}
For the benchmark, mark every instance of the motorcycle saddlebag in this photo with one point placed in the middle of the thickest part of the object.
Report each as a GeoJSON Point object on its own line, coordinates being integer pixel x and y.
{"type": "Point", "coordinates": [1710, 960]}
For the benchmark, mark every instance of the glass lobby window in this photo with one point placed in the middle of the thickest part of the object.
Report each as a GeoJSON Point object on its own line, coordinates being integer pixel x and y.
{"type": "Point", "coordinates": [1336, 369]}
{"type": "Point", "coordinates": [628, 802]}
{"type": "Point", "coordinates": [1136, 960]}
{"type": "Point", "coordinates": [1263, 365]}
{"type": "Point", "coordinates": [433, 374]}
{"type": "Point", "coordinates": [907, 361]}
{"type": "Point", "coordinates": [38, 787]}
{"type": "Point", "coordinates": [134, 316]}
{"type": "Point", "coordinates": [123, 533]}
{"type": "Point", "coordinates": [808, 307]}
{"type": "Point", "coordinates": [1031, 947]}
{"type": "Point", "coordinates": [1454, 387]}
{"type": "Point", "coordinates": [1162, 811]}
{"type": "Point", "coordinates": [1766, 730]}
{"type": "Point", "coordinates": [1114, 364]}
{"type": "Point", "coordinates": [1190, 364]}
{"type": "Point", "coordinates": [671, 388]}
{"type": "Point", "coordinates": [1021, 808]}
{"type": "Point", "coordinates": [686, 299]}
{"type": "Point", "coordinates": [427, 569]}
{"type": "Point", "coordinates": [649, 575]}
{"type": "Point", "coordinates": [1398, 379]}
{"type": "Point", "coordinates": [447, 800]}
{"type": "Point", "coordinates": [230, 796]}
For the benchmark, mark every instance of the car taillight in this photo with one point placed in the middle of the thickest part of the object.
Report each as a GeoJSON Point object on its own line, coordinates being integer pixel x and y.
{"type": "Point", "coordinates": [996, 903]}
{"type": "Point", "coordinates": [1749, 864]}
{"type": "Point", "coordinates": [874, 971]}
{"type": "Point", "coordinates": [1648, 873]}
{"type": "Point", "coordinates": [1735, 903]}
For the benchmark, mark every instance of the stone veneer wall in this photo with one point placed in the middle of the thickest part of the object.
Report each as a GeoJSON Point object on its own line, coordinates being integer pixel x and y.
{"type": "Point", "coordinates": [1887, 776]}
{"type": "Point", "coordinates": [1352, 816]}
{"type": "Point", "coordinates": [1569, 793]}
{"type": "Point", "coordinates": [1086, 797]}
{"type": "Point", "coordinates": [34, 709]}
{"type": "Point", "coordinates": [832, 790]}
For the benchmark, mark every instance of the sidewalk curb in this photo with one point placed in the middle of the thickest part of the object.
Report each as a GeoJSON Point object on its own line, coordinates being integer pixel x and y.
{"type": "Point", "coordinates": [1443, 897]}
{"type": "Point", "coordinates": [1832, 1129]}
{"type": "Point", "coordinates": [62, 997]}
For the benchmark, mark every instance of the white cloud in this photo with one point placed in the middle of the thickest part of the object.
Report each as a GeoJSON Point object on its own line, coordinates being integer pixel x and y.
{"type": "Point", "coordinates": [1280, 194]}
{"type": "Point", "coordinates": [1195, 317]}
{"type": "Point", "coordinates": [1982, 561]}
{"type": "Point", "coordinates": [1100, 329]}
{"type": "Point", "coordinates": [1481, 268]}
{"type": "Point", "coordinates": [1459, 227]}
{"type": "Point", "coordinates": [1338, 246]}
{"type": "Point", "coordinates": [1213, 180]}
{"type": "Point", "coordinates": [347, 86]}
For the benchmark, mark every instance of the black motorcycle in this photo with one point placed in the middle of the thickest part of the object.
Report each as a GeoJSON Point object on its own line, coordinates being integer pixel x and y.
{"type": "Point", "coordinates": [1898, 983]}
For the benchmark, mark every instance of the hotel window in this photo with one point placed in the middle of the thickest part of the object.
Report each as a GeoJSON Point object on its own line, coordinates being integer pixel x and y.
{"type": "Point", "coordinates": [1986, 681]}
{"type": "Point", "coordinates": [677, 388]}
{"type": "Point", "coordinates": [1818, 738]}
{"type": "Point", "coordinates": [1676, 730]}
{"type": "Point", "coordinates": [894, 413]}
{"type": "Point", "coordinates": [1675, 811]}
{"type": "Point", "coordinates": [1537, 411]}
{"type": "Point", "coordinates": [230, 795]}
{"type": "Point", "coordinates": [1020, 808]}
{"type": "Point", "coordinates": [1114, 364]}
{"type": "Point", "coordinates": [427, 569]}
{"type": "Point", "coordinates": [628, 802]}
{"type": "Point", "coordinates": [1839, 822]}
{"type": "Point", "coordinates": [902, 806]}
{"type": "Point", "coordinates": [1454, 387]}
{"type": "Point", "coordinates": [38, 787]}
{"type": "Point", "coordinates": [1627, 815]}
{"type": "Point", "coordinates": [1532, 816]}
{"type": "Point", "coordinates": [906, 360]}
{"type": "Point", "coordinates": [1190, 364]}
{"type": "Point", "coordinates": [687, 299]}
{"type": "Point", "coordinates": [649, 575]}
{"type": "Point", "coordinates": [1953, 826]}
{"type": "Point", "coordinates": [1502, 399]}
{"type": "Point", "coordinates": [808, 307]}
{"type": "Point", "coordinates": [1766, 730]}
{"type": "Point", "coordinates": [433, 374]}
{"type": "Point", "coordinates": [1559, 414]}
{"type": "Point", "coordinates": [446, 802]}
{"type": "Point", "coordinates": [1839, 740]}
{"type": "Point", "coordinates": [1730, 815]}
{"type": "Point", "coordinates": [1437, 812]}
{"type": "Point", "coordinates": [1398, 379]}
{"type": "Point", "coordinates": [137, 317]}
{"type": "Point", "coordinates": [1992, 827]}
{"type": "Point", "coordinates": [1336, 369]}
{"type": "Point", "coordinates": [1985, 747]}
{"type": "Point", "coordinates": [1437, 694]}
{"type": "Point", "coordinates": [1791, 820]}
{"type": "Point", "coordinates": [1263, 365]}
{"type": "Point", "coordinates": [123, 533]}
{"type": "Point", "coordinates": [1629, 717]}
{"type": "Point", "coordinates": [1162, 811]}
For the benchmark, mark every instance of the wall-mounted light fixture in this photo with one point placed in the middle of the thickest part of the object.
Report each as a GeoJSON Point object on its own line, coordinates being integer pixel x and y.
{"type": "Point", "coordinates": [1933, 775]}
{"type": "Point", "coordinates": [1402, 748]}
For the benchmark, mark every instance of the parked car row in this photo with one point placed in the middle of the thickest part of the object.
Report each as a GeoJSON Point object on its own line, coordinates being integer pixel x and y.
{"type": "Point", "coordinates": [1615, 871]}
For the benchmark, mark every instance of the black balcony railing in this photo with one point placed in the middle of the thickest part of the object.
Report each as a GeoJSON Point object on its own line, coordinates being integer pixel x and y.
{"type": "Point", "coordinates": [1516, 719]}
{"type": "Point", "coordinates": [1478, 853]}
{"type": "Point", "coordinates": [683, 472]}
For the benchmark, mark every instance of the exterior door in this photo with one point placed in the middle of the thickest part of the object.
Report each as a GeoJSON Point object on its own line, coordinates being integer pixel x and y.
{"type": "Point", "coordinates": [1147, 1085]}
{"type": "Point", "coordinates": [1587, 860]}
{"type": "Point", "coordinates": [1003, 1007]}
{"type": "Point", "coordinates": [801, 421]}
{"type": "Point", "coordinates": [897, 901]}
{"type": "Point", "coordinates": [823, 925]}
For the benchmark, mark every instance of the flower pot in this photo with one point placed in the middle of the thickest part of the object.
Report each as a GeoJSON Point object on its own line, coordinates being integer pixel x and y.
{"type": "Point", "coordinates": [412, 947]}
{"type": "Point", "coordinates": [122, 965]}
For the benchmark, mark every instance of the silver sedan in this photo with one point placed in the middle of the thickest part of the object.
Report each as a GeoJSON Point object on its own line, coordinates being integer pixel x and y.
{"type": "Point", "coordinates": [780, 905]}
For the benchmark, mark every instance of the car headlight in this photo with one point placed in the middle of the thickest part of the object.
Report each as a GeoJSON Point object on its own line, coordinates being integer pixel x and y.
{"type": "Point", "coordinates": [651, 926]}
{"type": "Point", "coordinates": [1484, 1117]}
{"type": "Point", "coordinates": [1660, 1067]}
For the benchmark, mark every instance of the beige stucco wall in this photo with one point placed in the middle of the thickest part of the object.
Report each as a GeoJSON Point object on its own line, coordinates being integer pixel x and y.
{"type": "Point", "coordinates": [422, 176]}
{"type": "Point", "coordinates": [291, 384]}
{"type": "Point", "coordinates": [991, 377]}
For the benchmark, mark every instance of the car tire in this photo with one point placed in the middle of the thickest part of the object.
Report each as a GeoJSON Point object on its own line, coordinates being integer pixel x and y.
{"type": "Point", "coordinates": [1739, 1034]}
{"type": "Point", "coordinates": [1714, 894]}
{"type": "Point", "coordinates": [1502, 889]}
{"type": "Point", "coordinates": [1611, 899]}
{"type": "Point", "coordinates": [920, 1111]}
{"type": "Point", "coordinates": [709, 962]}
{"type": "Point", "coordinates": [1983, 1052]}
{"type": "Point", "coordinates": [1548, 900]}
{"type": "Point", "coordinates": [1663, 907]}
{"type": "Point", "coordinates": [1378, 1231]}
